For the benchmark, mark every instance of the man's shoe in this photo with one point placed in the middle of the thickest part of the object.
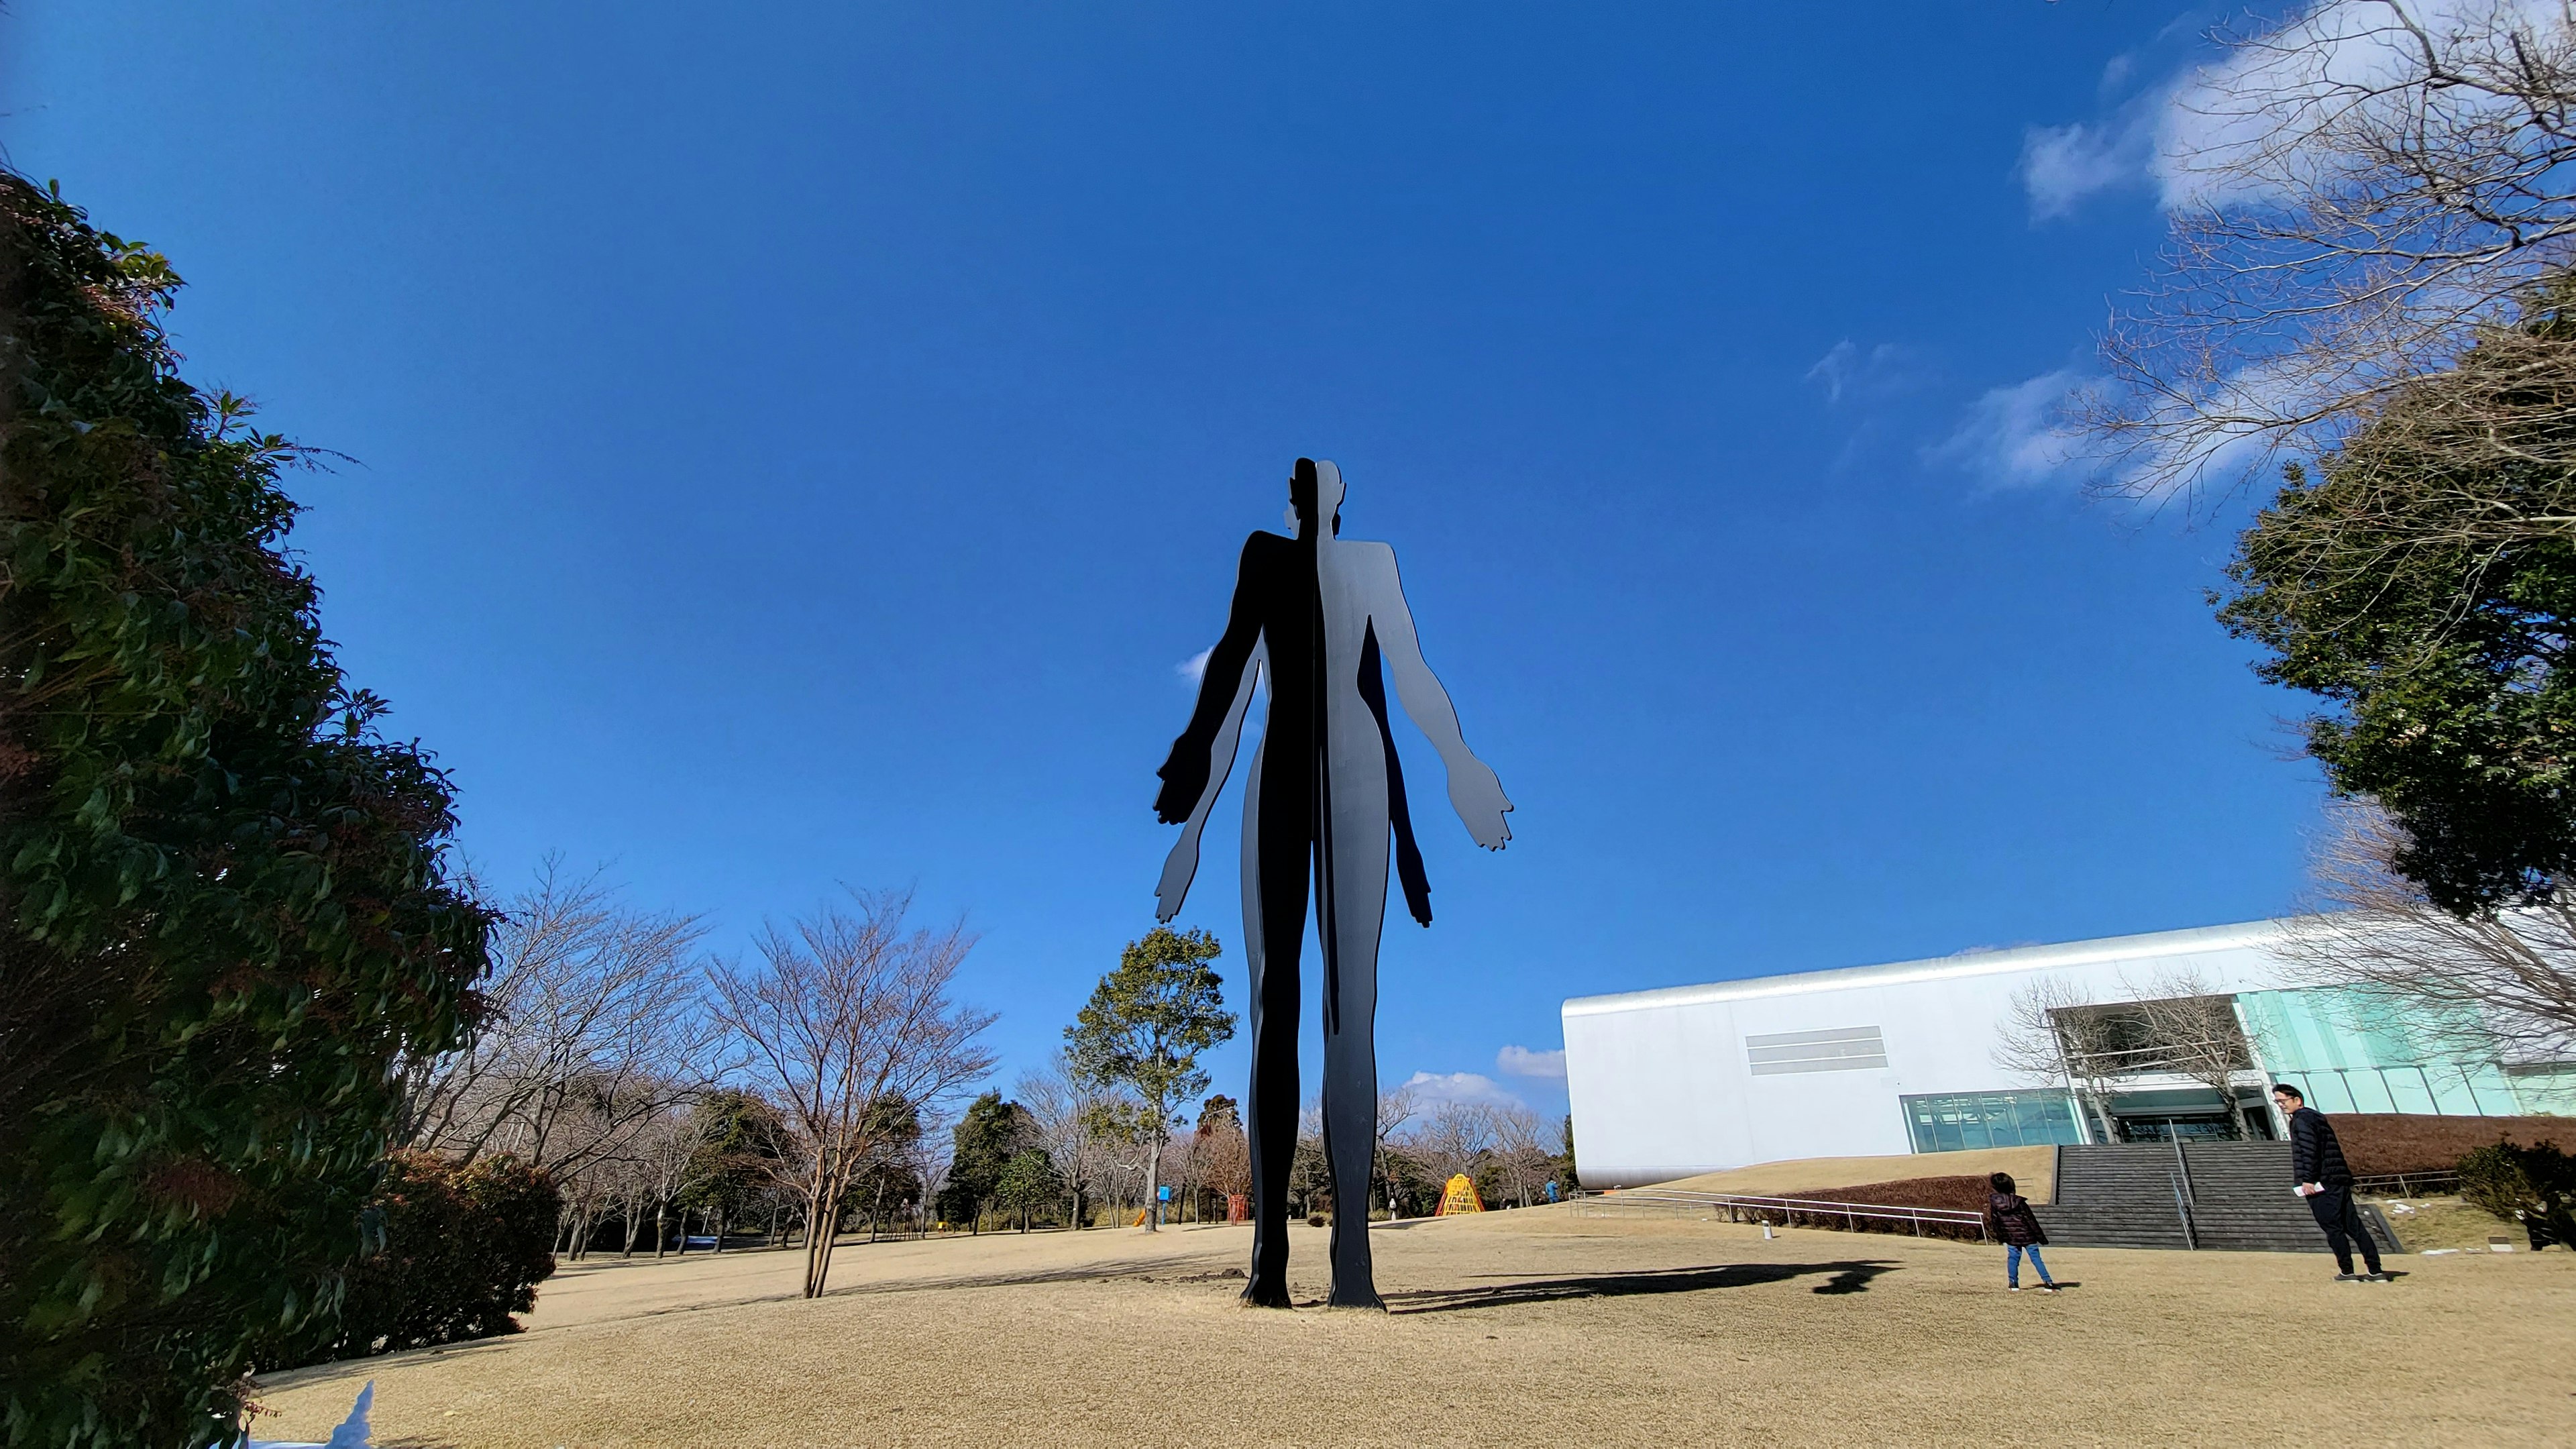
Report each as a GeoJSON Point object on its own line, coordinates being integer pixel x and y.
{"type": "Point", "coordinates": [2347, 1277]}
{"type": "Point", "coordinates": [2375, 1276]}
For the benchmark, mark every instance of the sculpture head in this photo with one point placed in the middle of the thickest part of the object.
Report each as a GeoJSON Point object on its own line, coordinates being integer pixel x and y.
{"type": "Point", "coordinates": [1314, 490]}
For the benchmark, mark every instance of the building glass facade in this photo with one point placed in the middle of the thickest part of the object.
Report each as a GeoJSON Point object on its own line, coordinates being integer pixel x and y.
{"type": "Point", "coordinates": [2347, 1052]}
{"type": "Point", "coordinates": [1990, 1119]}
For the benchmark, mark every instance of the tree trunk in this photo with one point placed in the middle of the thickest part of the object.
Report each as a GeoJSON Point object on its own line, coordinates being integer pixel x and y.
{"type": "Point", "coordinates": [2095, 1102]}
{"type": "Point", "coordinates": [661, 1227]}
{"type": "Point", "coordinates": [818, 1245]}
{"type": "Point", "coordinates": [2236, 1109]}
{"type": "Point", "coordinates": [1154, 1184]}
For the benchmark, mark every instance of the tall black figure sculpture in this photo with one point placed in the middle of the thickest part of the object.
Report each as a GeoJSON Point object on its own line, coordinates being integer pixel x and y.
{"type": "Point", "coordinates": [1325, 791]}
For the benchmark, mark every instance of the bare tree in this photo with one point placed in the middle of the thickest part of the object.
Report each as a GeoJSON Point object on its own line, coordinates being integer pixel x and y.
{"type": "Point", "coordinates": [2354, 195]}
{"type": "Point", "coordinates": [845, 1010]}
{"type": "Point", "coordinates": [594, 1025]}
{"type": "Point", "coordinates": [2052, 1036]}
{"type": "Point", "coordinates": [2192, 1031]}
{"type": "Point", "coordinates": [1059, 1113]}
{"type": "Point", "coordinates": [926, 1156]}
{"type": "Point", "coordinates": [1451, 1138]}
{"type": "Point", "coordinates": [1519, 1151]}
{"type": "Point", "coordinates": [1181, 1167]}
{"type": "Point", "coordinates": [2496, 983]}
{"type": "Point", "coordinates": [1395, 1109]}
{"type": "Point", "coordinates": [667, 1153]}
{"type": "Point", "coordinates": [1227, 1154]}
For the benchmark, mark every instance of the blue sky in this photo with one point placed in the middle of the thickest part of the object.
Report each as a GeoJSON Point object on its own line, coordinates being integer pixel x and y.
{"type": "Point", "coordinates": [800, 445]}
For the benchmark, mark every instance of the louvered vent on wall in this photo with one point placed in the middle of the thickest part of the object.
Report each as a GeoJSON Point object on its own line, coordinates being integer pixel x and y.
{"type": "Point", "coordinates": [1845, 1049]}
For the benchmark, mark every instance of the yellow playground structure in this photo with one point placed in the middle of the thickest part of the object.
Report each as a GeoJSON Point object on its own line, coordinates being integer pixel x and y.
{"type": "Point", "coordinates": [1459, 1197]}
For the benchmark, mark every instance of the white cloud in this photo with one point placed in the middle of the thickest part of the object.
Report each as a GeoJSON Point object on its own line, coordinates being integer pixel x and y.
{"type": "Point", "coordinates": [1471, 1089]}
{"type": "Point", "coordinates": [1847, 370]}
{"type": "Point", "coordinates": [2234, 127]}
{"type": "Point", "coordinates": [1520, 1061]}
{"type": "Point", "coordinates": [2237, 130]}
{"type": "Point", "coordinates": [2063, 165]}
{"type": "Point", "coordinates": [2016, 436]}
{"type": "Point", "coordinates": [1194, 668]}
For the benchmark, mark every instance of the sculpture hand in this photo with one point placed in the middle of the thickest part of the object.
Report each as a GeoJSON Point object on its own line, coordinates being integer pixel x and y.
{"type": "Point", "coordinates": [1477, 796]}
{"type": "Point", "coordinates": [1185, 777]}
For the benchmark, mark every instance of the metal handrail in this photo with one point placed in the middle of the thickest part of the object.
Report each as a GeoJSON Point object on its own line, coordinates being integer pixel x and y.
{"type": "Point", "coordinates": [2409, 1184]}
{"type": "Point", "coordinates": [1734, 1203]}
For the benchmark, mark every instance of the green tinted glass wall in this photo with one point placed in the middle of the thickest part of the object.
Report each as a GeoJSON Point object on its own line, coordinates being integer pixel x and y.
{"type": "Point", "coordinates": [1990, 1119]}
{"type": "Point", "coordinates": [2350, 1053]}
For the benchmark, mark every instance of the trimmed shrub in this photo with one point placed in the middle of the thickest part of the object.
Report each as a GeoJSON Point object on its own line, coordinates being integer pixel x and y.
{"type": "Point", "coordinates": [2377, 1143]}
{"type": "Point", "coordinates": [462, 1250]}
{"type": "Point", "coordinates": [2522, 1184]}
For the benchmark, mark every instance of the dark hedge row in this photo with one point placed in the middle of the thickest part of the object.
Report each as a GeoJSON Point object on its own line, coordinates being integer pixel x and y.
{"type": "Point", "coordinates": [2377, 1143]}
{"type": "Point", "coordinates": [1953, 1194]}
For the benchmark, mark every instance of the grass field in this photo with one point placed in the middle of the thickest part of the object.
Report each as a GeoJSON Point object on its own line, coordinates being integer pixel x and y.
{"type": "Point", "coordinates": [1545, 1326]}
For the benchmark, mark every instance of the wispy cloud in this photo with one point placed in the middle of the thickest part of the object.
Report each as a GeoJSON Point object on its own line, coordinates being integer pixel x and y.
{"type": "Point", "coordinates": [1194, 668]}
{"type": "Point", "coordinates": [1520, 1061]}
{"type": "Point", "coordinates": [1471, 1089]}
{"type": "Point", "coordinates": [1849, 370]}
{"type": "Point", "coordinates": [2016, 436]}
{"type": "Point", "coordinates": [2062, 166]}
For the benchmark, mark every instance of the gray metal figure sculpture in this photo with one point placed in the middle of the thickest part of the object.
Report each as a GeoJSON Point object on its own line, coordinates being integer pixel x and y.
{"type": "Point", "coordinates": [1317, 614]}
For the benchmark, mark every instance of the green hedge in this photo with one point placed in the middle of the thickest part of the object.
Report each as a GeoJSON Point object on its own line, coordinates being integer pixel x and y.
{"type": "Point", "coordinates": [2523, 1183]}
{"type": "Point", "coordinates": [463, 1249]}
{"type": "Point", "coordinates": [224, 908]}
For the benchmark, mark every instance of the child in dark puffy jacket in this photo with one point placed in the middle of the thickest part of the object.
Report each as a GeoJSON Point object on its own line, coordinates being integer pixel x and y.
{"type": "Point", "coordinates": [2013, 1224]}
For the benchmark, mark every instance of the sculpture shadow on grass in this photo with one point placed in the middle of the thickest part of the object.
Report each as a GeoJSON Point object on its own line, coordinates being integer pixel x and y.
{"type": "Point", "coordinates": [1843, 1277]}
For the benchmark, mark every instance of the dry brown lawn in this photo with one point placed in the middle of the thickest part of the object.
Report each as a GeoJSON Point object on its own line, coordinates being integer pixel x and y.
{"type": "Point", "coordinates": [1540, 1327]}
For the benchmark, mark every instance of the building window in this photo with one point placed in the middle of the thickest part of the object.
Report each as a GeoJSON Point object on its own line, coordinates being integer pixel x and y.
{"type": "Point", "coordinates": [1990, 1119]}
{"type": "Point", "coordinates": [1845, 1049]}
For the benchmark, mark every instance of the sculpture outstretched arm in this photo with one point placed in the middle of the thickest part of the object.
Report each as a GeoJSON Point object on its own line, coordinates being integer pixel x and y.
{"type": "Point", "coordinates": [1474, 791]}
{"type": "Point", "coordinates": [1182, 865]}
{"type": "Point", "coordinates": [1185, 771]}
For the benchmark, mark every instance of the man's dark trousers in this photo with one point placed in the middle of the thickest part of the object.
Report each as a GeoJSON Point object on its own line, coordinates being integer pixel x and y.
{"type": "Point", "coordinates": [2342, 1221]}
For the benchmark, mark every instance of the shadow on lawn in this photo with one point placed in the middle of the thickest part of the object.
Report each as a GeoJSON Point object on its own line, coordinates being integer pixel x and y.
{"type": "Point", "coordinates": [1846, 1278]}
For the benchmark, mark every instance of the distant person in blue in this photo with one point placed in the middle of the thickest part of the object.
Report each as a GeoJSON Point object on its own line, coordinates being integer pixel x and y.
{"type": "Point", "coordinates": [2318, 1174]}
{"type": "Point", "coordinates": [2013, 1224]}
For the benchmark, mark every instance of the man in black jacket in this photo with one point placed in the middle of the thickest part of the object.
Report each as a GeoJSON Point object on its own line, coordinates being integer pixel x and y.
{"type": "Point", "coordinates": [2318, 1169]}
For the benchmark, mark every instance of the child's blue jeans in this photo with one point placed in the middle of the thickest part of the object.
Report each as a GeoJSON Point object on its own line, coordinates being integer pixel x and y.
{"type": "Point", "coordinates": [2012, 1263]}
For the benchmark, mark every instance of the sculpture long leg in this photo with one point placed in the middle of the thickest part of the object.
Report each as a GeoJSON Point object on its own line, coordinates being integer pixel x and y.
{"type": "Point", "coordinates": [1274, 925]}
{"type": "Point", "coordinates": [1357, 881]}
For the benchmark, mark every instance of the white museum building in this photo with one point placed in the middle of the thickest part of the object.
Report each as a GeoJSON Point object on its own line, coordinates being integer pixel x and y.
{"type": "Point", "coordinates": [1904, 1058]}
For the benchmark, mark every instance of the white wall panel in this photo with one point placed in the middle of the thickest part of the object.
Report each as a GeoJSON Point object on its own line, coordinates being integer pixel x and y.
{"type": "Point", "coordinates": [1661, 1086]}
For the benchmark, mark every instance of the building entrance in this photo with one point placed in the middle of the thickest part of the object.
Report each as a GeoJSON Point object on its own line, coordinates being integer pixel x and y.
{"type": "Point", "coordinates": [2185, 1117]}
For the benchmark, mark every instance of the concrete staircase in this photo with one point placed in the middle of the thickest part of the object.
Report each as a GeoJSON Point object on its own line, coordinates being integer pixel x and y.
{"type": "Point", "coordinates": [2232, 1196]}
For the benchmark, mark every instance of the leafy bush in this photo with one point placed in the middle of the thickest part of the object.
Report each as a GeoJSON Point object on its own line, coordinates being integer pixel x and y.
{"type": "Point", "coordinates": [2522, 1184]}
{"type": "Point", "coordinates": [463, 1249]}
{"type": "Point", "coordinates": [223, 907]}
